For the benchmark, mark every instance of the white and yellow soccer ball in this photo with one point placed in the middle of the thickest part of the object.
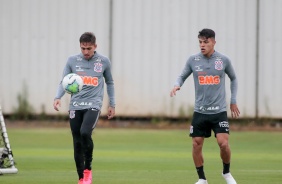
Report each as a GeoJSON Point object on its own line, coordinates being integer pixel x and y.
{"type": "Point", "coordinates": [72, 83]}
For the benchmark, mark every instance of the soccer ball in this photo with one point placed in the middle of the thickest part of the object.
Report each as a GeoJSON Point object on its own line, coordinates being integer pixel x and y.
{"type": "Point", "coordinates": [72, 83]}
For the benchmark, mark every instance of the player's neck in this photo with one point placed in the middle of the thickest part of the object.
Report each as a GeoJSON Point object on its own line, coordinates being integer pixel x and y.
{"type": "Point", "coordinates": [208, 55]}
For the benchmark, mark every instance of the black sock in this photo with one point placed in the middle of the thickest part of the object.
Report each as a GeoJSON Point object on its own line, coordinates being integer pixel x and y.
{"type": "Point", "coordinates": [200, 171]}
{"type": "Point", "coordinates": [88, 164]}
{"type": "Point", "coordinates": [88, 167]}
{"type": "Point", "coordinates": [226, 168]}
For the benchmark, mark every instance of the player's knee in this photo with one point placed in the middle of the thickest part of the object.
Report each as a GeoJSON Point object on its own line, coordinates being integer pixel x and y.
{"type": "Point", "coordinates": [197, 145]}
{"type": "Point", "coordinates": [77, 145]}
{"type": "Point", "coordinates": [224, 145]}
{"type": "Point", "coordinates": [85, 135]}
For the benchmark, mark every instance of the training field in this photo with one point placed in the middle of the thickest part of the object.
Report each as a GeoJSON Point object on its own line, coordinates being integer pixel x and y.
{"type": "Point", "coordinates": [132, 156]}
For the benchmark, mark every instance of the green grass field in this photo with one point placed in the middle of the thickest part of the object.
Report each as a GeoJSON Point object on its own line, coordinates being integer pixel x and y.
{"type": "Point", "coordinates": [131, 156]}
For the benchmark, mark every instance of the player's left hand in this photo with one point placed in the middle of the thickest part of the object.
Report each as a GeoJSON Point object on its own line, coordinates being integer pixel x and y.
{"type": "Point", "coordinates": [111, 112]}
{"type": "Point", "coordinates": [234, 111]}
{"type": "Point", "coordinates": [173, 91]}
{"type": "Point", "coordinates": [57, 104]}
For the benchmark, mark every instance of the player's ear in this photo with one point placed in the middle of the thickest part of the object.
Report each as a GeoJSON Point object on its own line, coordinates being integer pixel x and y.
{"type": "Point", "coordinates": [213, 41]}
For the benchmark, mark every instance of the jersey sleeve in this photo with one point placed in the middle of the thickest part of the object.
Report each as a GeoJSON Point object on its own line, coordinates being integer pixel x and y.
{"type": "Point", "coordinates": [229, 70]}
{"type": "Point", "coordinates": [110, 83]}
{"type": "Point", "coordinates": [60, 91]}
{"type": "Point", "coordinates": [186, 72]}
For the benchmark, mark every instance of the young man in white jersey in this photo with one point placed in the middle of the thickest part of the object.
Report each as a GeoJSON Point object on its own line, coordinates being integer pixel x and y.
{"type": "Point", "coordinates": [210, 113]}
{"type": "Point", "coordinates": [85, 106]}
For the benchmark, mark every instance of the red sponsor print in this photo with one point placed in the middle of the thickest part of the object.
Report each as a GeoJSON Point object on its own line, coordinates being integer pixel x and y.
{"type": "Point", "coordinates": [209, 80]}
{"type": "Point", "coordinates": [90, 81]}
{"type": "Point", "coordinates": [202, 73]}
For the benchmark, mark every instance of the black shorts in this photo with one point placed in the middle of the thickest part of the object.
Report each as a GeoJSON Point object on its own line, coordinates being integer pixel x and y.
{"type": "Point", "coordinates": [202, 124]}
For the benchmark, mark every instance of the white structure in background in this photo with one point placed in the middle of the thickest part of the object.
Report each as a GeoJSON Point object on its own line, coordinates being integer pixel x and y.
{"type": "Point", "coordinates": [148, 43]}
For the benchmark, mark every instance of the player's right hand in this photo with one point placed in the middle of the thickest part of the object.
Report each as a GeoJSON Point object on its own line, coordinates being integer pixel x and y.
{"type": "Point", "coordinates": [173, 91]}
{"type": "Point", "coordinates": [234, 111]}
{"type": "Point", "coordinates": [111, 112]}
{"type": "Point", "coordinates": [57, 104]}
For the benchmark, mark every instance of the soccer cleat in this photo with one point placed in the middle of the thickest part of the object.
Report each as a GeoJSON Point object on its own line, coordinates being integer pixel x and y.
{"type": "Point", "coordinates": [80, 181]}
{"type": "Point", "coordinates": [87, 179]}
{"type": "Point", "coordinates": [229, 178]}
{"type": "Point", "coordinates": [202, 181]}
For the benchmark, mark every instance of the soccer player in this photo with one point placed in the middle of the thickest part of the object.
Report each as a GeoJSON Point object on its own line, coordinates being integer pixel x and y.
{"type": "Point", "coordinates": [84, 107]}
{"type": "Point", "coordinates": [209, 68]}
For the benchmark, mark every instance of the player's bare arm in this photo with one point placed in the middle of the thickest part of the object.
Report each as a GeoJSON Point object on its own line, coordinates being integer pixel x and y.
{"type": "Point", "coordinates": [173, 91]}
{"type": "Point", "coordinates": [234, 110]}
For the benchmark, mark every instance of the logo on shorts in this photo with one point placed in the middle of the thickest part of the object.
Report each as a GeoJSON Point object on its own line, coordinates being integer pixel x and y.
{"type": "Point", "coordinates": [191, 129]}
{"type": "Point", "coordinates": [224, 124]}
{"type": "Point", "coordinates": [72, 114]}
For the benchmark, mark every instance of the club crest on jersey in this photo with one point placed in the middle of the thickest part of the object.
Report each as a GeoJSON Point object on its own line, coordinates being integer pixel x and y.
{"type": "Point", "coordinates": [218, 65]}
{"type": "Point", "coordinates": [98, 67]}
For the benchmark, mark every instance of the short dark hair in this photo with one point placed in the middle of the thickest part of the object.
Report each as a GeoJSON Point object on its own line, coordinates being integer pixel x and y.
{"type": "Point", "coordinates": [87, 37]}
{"type": "Point", "coordinates": [207, 33]}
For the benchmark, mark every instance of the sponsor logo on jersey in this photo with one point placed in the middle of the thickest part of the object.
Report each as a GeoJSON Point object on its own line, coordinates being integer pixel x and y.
{"type": "Point", "coordinates": [90, 81]}
{"type": "Point", "coordinates": [198, 68]}
{"type": "Point", "coordinates": [79, 59]}
{"type": "Point", "coordinates": [209, 80]}
{"type": "Point", "coordinates": [75, 103]}
{"type": "Point", "coordinates": [218, 65]}
{"type": "Point", "coordinates": [224, 124]}
{"type": "Point", "coordinates": [98, 59]}
{"type": "Point", "coordinates": [197, 58]}
{"type": "Point", "coordinates": [209, 108]}
{"type": "Point", "coordinates": [78, 68]}
{"type": "Point", "coordinates": [202, 73]}
{"type": "Point", "coordinates": [98, 67]}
